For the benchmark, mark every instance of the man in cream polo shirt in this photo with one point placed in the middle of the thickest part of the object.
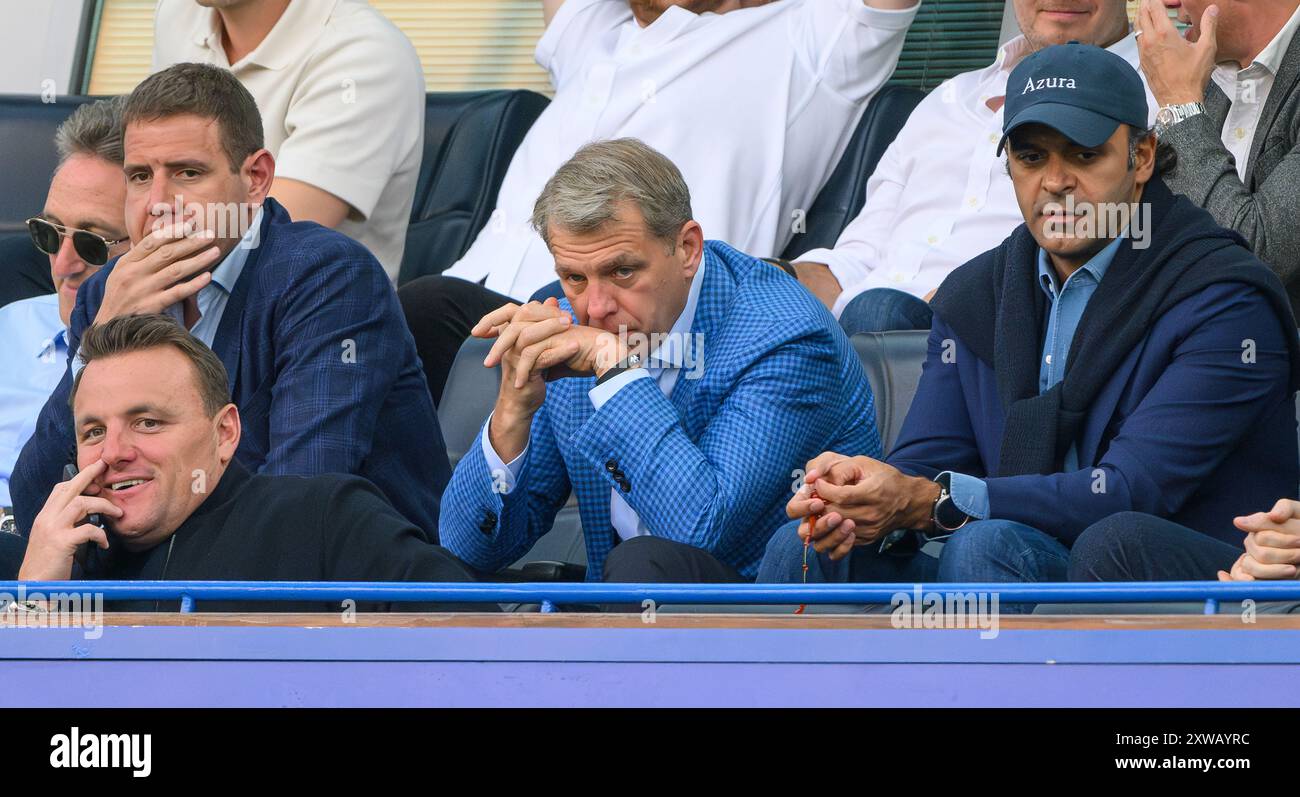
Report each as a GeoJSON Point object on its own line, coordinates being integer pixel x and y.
{"type": "Point", "coordinates": [341, 92]}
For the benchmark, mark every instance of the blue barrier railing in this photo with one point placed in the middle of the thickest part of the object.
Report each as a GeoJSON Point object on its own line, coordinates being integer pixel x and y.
{"type": "Point", "coordinates": [553, 594]}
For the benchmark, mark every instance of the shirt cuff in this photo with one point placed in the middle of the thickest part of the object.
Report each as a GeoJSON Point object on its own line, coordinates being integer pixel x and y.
{"type": "Point", "coordinates": [604, 392]}
{"type": "Point", "coordinates": [969, 494]}
{"type": "Point", "coordinates": [847, 270]}
{"type": "Point", "coordinates": [504, 474]}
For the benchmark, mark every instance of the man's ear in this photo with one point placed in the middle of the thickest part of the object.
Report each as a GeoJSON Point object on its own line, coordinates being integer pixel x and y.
{"type": "Point", "coordinates": [228, 430]}
{"type": "Point", "coordinates": [690, 242]}
{"type": "Point", "coordinates": [258, 173]}
{"type": "Point", "coordinates": [1144, 162]}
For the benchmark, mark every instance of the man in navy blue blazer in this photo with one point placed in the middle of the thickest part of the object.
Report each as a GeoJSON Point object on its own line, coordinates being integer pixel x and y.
{"type": "Point", "coordinates": [1118, 352]}
{"type": "Point", "coordinates": [319, 357]}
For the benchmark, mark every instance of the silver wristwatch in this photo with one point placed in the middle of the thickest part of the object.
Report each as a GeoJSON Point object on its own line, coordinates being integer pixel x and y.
{"type": "Point", "coordinates": [1170, 115]}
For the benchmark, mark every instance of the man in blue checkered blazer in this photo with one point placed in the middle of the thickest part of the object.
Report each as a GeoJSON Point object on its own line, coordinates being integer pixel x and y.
{"type": "Point", "coordinates": [674, 390]}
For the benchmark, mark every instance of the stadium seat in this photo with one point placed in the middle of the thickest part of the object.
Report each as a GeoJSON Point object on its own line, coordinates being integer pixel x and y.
{"type": "Point", "coordinates": [845, 192]}
{"type": "Point", "coordinates": [471, 391]}
{"type": "Point", "coordinates": [893, 363]}
{"type": "Point", "coordinates": [468, 398]}
{"type": "Point", "coordinates": [24, 269]}
{"type": "Point", "coordinates": [469, 139]}
{"type": "Point", "coordinates": [27, 126]}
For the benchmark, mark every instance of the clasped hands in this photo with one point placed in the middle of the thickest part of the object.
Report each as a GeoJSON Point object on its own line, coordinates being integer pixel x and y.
{"type": "Point", "coordinates": [859, 500]}
{"type": "Point", "coordinates": [538, 337]}
{"type": "Point", "coordinates": [1272, 544]}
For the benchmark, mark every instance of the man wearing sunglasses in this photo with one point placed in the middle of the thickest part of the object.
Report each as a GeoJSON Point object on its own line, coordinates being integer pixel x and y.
{"type": "Point", "coordinates": [304, 318]}
{"type": "Point", "coordinates": [81, 226]}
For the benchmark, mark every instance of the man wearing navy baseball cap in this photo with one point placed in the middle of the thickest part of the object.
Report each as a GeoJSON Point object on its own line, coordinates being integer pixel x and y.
{"type": "Point", "coordinates": [1119, 352]}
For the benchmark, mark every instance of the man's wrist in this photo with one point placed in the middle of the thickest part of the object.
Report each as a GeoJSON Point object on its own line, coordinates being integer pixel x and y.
{"type": "Point", "coordinates": [509, 429]}
{"type": "Point", "coordinates": [611, 352]}
{"type": "Point", "coordinates": [920, 509]}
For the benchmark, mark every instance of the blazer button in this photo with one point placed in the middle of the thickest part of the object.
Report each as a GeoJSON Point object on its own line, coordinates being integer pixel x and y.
{"type": "Point", "coordinates": [489, 523]}
{"type": "Point", "coordinates": [626, 485]}
{"type": "Point", "coordinates": [619, 475]}
{"type": "Point", "coordinates": [611, 465]}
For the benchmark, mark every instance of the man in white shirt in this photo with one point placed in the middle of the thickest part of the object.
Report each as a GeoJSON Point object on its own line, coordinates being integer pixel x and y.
{"type": "Point", "coordinates": [1229, 100]}
{"type": "Point", "coordinates": [940, 194]}
{"type": "Point", "coordinates": [755, 106]}
{"type": "Point", "coordinates": [81, 226]}
{"type": "Point", "coordinates": [341, 93]}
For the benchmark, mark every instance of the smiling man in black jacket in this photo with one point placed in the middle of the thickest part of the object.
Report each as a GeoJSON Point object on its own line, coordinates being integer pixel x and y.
{"type": "Point", "coordinates": [156, 438]}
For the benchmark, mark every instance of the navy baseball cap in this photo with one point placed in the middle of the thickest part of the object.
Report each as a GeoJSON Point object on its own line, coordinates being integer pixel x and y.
{"type": "Point", "coordinates": [1081, 91]}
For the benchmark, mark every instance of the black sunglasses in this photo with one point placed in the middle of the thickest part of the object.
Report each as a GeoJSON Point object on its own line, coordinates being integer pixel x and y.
{"type": "Point", "coordinates": [48, 237]}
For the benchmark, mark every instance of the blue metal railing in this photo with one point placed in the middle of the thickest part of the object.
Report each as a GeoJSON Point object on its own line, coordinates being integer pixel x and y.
{"type": "Point", "coordinates": [553, 594]}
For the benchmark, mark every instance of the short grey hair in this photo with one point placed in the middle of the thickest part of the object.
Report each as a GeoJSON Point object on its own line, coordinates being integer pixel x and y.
{"type": "Point", "coordinates": [586, 192]}
{"type": "Point", "coordinates": [94, 129]}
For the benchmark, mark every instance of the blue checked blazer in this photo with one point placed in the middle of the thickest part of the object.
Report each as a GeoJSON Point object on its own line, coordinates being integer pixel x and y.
{"type": "Point", "coordinates": [306, 408]}
{"type": "Point", "coordinates": [713, 466]}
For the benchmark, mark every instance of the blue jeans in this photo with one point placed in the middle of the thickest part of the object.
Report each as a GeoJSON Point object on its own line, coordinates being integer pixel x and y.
{"type": "Point", "coordinates": [783, 563]}
{"type": "Point", "coordinates": [885, 310]}
{"type": "Point", "coordinates": [999, 551]}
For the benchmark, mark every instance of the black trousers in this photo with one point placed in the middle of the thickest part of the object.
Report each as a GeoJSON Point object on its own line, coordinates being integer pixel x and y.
{"type": "Point", "coordinates": [13, 548]}
{"type": "Point", "coordinates": [655, 560]}
{"type": "Point", "coordinates": [440, 312]}
{"type": "Point", "coordinates": [1132, 546]}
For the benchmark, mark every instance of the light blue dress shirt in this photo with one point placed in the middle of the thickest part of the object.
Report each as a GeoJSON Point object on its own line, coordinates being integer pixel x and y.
{"type": "Point", "coordinates": [1066, 305]}
{"type": "Point", "coordinates": [212, 297]}
{"type": "Point", "coordinates": [664, 365]}
{"type": "Point", "coordinates": [33, 357]}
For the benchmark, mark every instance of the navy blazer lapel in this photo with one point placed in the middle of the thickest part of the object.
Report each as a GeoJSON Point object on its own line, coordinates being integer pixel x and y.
{"type": "Point", "coordinates": [1101, 413]}
{"type": "Point", "coordinates": [228, 342]}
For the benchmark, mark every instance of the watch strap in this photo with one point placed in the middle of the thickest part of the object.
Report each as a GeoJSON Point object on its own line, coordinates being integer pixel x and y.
{"type": "Point", "coordinates": [626, 364]}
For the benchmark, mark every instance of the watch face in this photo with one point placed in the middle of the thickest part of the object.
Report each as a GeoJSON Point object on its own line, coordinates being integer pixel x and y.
{"type": "Point", "coordinates": [1164, 116]}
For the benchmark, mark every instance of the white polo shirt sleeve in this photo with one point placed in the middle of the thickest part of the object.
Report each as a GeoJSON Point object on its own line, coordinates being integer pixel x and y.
{"type": "Point", "coordinates": [567, 40]}
{"type": "Point", "coordinates": [851, 47]}
{"type": "Point", "coordinates": [356, 116]}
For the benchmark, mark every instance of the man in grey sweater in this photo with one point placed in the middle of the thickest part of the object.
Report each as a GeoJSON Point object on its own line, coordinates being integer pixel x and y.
{"type": "Point", "coordinates": [1229, 95]}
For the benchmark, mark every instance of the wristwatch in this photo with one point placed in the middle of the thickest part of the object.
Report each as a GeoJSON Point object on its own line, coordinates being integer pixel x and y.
{"type": "Point", "coordinates": [945, 515]}
{"type": "Point", "coordinates": [633, 361]}
{"type": "Point", "coordinates": [1170, 115]}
